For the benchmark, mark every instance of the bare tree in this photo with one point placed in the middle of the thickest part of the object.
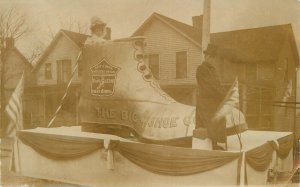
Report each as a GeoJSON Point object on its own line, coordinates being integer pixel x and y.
{"type": "Point", "coordinates": [36, 52]}
{"type": "Point", "coordinates": [13, 23]}
{"type": "Point", "coordinates": [71, 24]}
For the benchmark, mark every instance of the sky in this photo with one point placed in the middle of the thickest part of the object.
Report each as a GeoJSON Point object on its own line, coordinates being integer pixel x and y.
{"type": "Point", "coordinates": [125, 16]}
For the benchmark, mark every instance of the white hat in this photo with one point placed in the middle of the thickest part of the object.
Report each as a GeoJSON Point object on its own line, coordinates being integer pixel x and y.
{"type": "Point", "coordinates": [96, 21]}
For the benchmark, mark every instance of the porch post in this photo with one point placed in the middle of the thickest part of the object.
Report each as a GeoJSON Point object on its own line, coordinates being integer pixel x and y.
{"type": "Point", "coordinates": [2, 90]}
{"type": "Point", "coordinates": [77, 109]}
{"type": "Point", "coordinates": [44, 99]}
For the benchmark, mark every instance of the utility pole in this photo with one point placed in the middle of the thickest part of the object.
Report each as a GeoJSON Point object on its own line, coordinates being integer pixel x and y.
{"type": "Point", "coordinates": [206, 25]}
{"type": "Point", "coordinates": [2, 89]}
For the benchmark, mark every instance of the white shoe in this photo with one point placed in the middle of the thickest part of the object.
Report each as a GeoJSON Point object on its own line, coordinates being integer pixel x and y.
{"type": "Point", "coordinates": [119, 91]}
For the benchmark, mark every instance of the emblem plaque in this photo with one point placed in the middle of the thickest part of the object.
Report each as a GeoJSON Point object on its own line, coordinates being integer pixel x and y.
{"type": "Point", "coordinates": [103, 78]}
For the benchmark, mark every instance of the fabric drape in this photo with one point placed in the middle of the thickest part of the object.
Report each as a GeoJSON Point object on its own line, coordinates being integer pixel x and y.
{"type": "Point", "coordinates": [155, 158]}
{"type": "Point", "coordinates": [165, 160]}
{"type": "Point", "coordinates": [174, 160]}
{"type": "Point", "coordinates": [285, 146]}
{"type": "Point", "coordinates": [260, 157]}
{"type": "Point", "coordinates": [60, 147]}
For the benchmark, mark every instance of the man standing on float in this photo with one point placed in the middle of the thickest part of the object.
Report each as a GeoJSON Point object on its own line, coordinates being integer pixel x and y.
{"type": "Point", "coordinates": [210, 96]}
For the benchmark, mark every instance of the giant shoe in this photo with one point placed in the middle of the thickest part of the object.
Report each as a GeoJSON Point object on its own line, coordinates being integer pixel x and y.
{"type": "Point", "coordinates": [119, 95]}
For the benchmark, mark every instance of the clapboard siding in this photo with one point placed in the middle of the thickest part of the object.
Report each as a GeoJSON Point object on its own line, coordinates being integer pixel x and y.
{"type": "Point", "coordinates": [63, 49]}
{"type": "Point", "coordinates": [165, 41]}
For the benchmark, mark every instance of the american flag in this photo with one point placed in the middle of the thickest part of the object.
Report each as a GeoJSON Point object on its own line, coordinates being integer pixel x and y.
{"type": "Point", "coordinates": [229, 109]}
{"type": "Point", "coordinates": [231, 101]}
{"type": "Point", "coordinates": [14, 109]}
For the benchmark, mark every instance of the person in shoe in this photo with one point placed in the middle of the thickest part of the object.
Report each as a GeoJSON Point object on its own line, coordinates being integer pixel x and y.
{"type": "Point", "coordinates": [209, 97]}
{"type": "Point", "coordinates": [98, 30]}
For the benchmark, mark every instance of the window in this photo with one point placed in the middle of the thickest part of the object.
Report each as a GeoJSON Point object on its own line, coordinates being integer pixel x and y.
{"type": "Point", "coordinates": [154, 65]}
{"type": "Point", "coordinates": [181, 65]}
{"type": "Point", "coordinates": [48, 72]}
{"type": "Point", "coordinates": [63, 71]}
{"type": "Point", "coordinates": [262, 71]}
{"type": "Point", "coordinates": [259, 112]}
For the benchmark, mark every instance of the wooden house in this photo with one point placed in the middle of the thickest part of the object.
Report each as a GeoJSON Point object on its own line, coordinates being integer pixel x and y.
{"type": "Point", "coordinates": [53, 72]}
{"type": "Point", "coordinates": [265, 60]}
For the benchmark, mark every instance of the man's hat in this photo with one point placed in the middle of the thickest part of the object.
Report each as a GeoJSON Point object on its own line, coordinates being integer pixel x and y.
{"type": "Point", "coordinates": [96, 21]}
{"type": "Point", "coordinates": [211, 50]}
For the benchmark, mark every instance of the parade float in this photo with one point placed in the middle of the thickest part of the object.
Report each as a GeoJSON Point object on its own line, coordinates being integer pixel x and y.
{"type": "Point", "coordinates": [133, 134]}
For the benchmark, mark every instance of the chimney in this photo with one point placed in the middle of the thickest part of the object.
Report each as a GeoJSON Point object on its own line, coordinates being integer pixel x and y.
{"type": "Point", "coordinates": [108, 33]}
{"type": "Point", "coordinates": [9, 42]}
{"type": "Point", "coordinates": [197, 22]}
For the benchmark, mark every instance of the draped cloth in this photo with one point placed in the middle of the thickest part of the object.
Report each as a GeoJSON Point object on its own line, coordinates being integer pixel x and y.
{"type": "Point", "coordinates": [60, 147]}
{"type": "Point", "coordinates": [110, 156]}
{"type": "Point", "coordinates": [155, 158]}
{"type": "Point", "coordinates": [285, 146]}
{"type": "Point", "coordinates": [164, 160]}
{"type": "Point", "coordinates": [174, 160]}
{"type": "Point", "coordinates": [260, 157]}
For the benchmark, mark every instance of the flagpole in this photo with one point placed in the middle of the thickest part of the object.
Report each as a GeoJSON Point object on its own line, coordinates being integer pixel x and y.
{"type": "Point", "coordinates": [2, 89]}
{"type": "Point", "coordinates": [206, 26]}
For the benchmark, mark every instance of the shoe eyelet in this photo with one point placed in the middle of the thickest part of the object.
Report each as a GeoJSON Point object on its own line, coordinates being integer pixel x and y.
{"type": "Point", "coordinates": [148, 76]}
{"type": "Point", "coordinates": [142, 67]}
{"type": "Point", "coordinates": [139, 56]}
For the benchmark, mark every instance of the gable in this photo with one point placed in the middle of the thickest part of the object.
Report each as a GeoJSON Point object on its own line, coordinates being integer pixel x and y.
{"type": "Point", "coordinates": [77, 38]}
{"type": "Point", "coordinates": [159, 30]}
{"type": "Point", "coordinates": [165, 42]}
{"type": "Point", "coordinates": [61, 49]}
{"type": "Point", "coordinates": [52, 45]}
{"type": "Point", "coordinates": [187, 31]}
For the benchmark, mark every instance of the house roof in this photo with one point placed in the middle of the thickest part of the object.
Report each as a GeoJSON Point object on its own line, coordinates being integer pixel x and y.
{"type": "Point", "coordinates": [24, 59]}
{"type": "Point", "coordinates": [22, 56]}
{"type": "Point", "coordinates": [78, 38]}
{"type": "Point", "coordinates": [186, 30]}
{"type": "Point", "coordinates": [248, 45]}
{"type": "Point", "coordinates": [75, 37]}
{"type": "Point", "coordinates": [256, 44]}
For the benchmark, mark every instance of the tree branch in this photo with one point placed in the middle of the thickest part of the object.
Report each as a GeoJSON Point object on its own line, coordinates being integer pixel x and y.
{"type": "Point", "coordinates": [13, 23]}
